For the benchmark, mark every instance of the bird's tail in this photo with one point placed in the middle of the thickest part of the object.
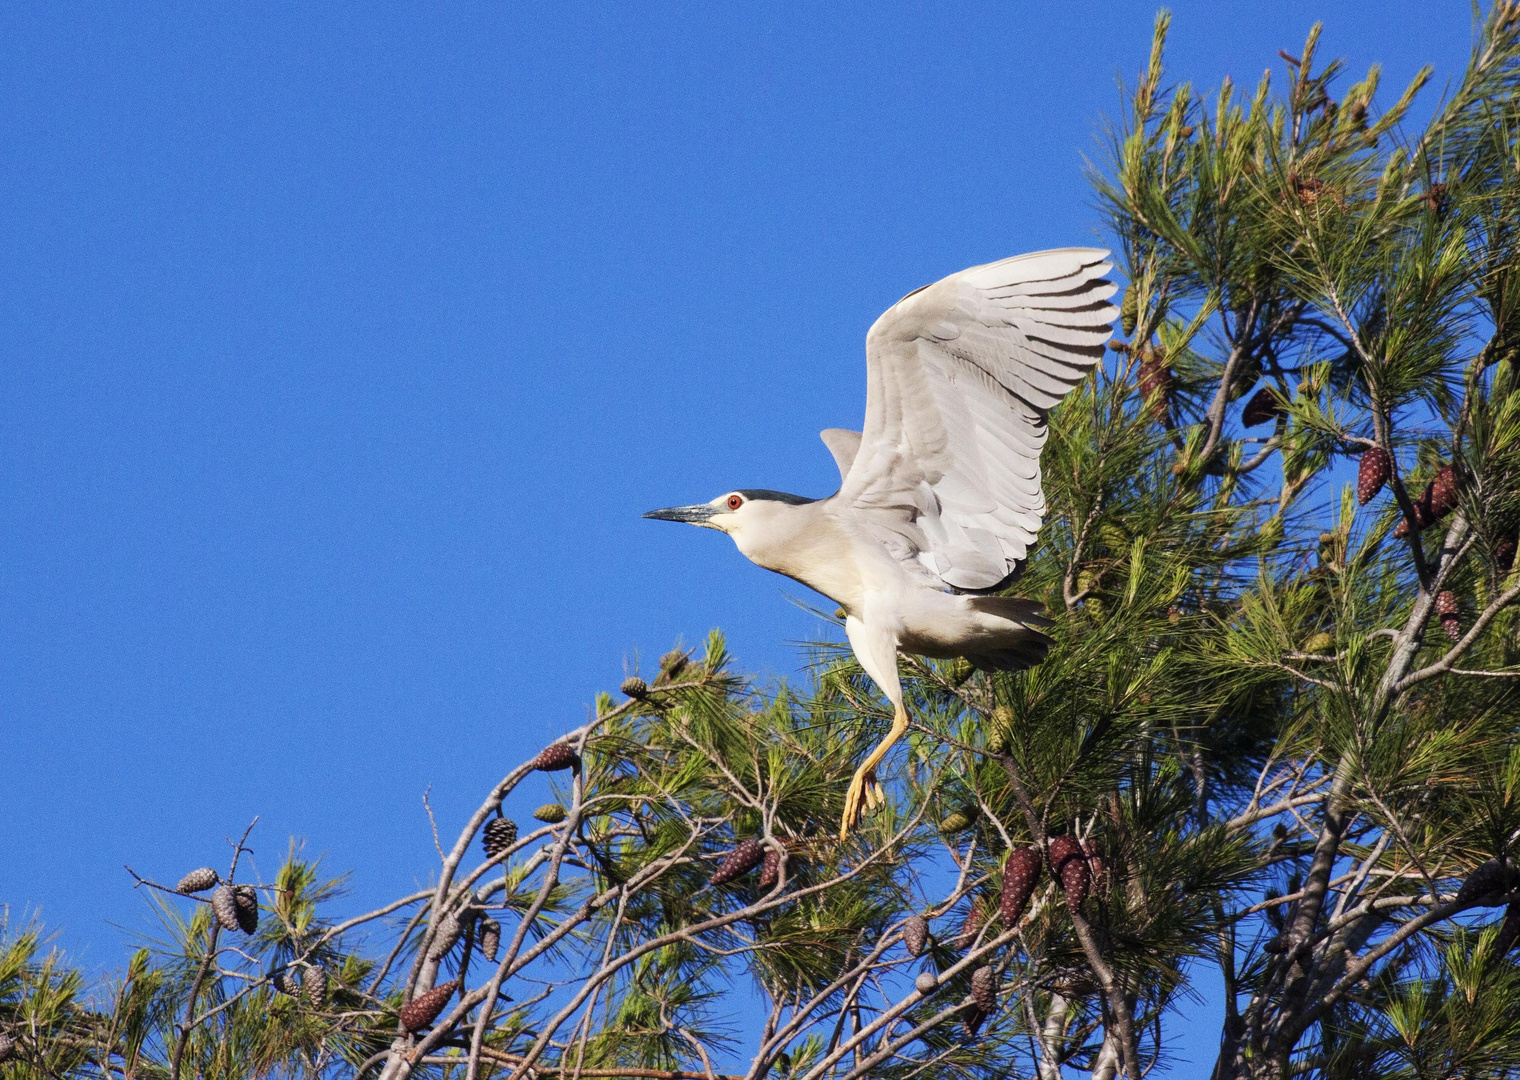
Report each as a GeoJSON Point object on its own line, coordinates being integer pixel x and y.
{"type": "Point", "coordinates": [1023, 645]}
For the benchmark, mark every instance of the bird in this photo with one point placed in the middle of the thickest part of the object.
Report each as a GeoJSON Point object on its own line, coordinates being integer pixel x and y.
{"type": "Point", "coordinates": [940, 495]}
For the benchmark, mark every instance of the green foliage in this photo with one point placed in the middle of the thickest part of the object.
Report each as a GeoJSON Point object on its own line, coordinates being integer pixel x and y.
{"type": "Point", "coordinates": [1283, 751]}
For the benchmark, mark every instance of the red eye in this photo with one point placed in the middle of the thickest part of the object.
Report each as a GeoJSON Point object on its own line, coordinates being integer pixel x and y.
{"type": "Point", "coordinates": [734, 502]}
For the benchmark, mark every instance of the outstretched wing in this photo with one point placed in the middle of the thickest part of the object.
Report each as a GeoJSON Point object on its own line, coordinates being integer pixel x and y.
{"type": "Point", "coordinates": [960, 376]}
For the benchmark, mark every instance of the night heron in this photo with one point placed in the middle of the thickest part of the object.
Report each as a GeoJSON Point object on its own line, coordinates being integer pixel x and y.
{"type": "Point", "coordinates": [940, 495]}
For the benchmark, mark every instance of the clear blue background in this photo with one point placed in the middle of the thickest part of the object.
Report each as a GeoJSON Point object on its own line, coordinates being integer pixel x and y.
{"type": "Point", "coordinates": [343, 346]}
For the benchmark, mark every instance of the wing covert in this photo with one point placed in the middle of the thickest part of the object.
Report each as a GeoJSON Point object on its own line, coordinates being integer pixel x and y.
{"type": "Point", "coordinates": [960, 377]}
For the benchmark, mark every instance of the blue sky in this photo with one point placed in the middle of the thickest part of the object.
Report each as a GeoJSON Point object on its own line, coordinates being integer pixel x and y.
{"type": "Point", "coordinates": [343, 346]}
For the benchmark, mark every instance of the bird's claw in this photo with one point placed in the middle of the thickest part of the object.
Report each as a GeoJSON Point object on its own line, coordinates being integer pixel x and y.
{"type": "Point", "coordinates": [865, 794]}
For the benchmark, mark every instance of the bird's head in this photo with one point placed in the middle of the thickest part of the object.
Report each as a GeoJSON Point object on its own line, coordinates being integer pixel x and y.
{"type": "Point", "coordinates": [751, 516]}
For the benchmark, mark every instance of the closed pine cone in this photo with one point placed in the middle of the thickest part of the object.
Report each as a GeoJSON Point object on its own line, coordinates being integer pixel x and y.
{"type": "Point", "coordinates": [1020, 875]}
{"type": "Point", "coordinates": [739, 862]}
{"type": "Point", "coordinates": [1262, 408]}
{"type": "Point", "coordinates": [557, 756]}
{"type": "Point", "coordinates": [1373, 472]}
{"type": "Point", "coordinates": [197, 881]}
{"type": "Point", "coordinates": [770, 869]}
{"type": "Point", "coordinates": [984, 989]}
{"type": "Point", "coordinates": [1070, 867]}
{"type": "Point", "coordinates": [916, 935]}
{"type": "Point", "coordinates": [246, 900]}
{"type": "Point", "coordinates": [314, 984]}
{"type": "Point", "coordinates": [422, 1011]}
{"type": "Point", "coordinates": [1509, 931]}
{"type": "Point", "coordinates": [490, 938]}
{"type": "Point", "coordinates": [224, 907]}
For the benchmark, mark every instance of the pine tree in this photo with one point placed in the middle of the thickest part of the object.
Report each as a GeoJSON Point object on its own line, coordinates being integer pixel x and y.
{"type": "Point", "coordinates": [1253, 747]}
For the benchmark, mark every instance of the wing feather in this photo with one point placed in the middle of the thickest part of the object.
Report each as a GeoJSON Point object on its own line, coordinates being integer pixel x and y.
{"type": "Point", "coordinates": [959, 378]}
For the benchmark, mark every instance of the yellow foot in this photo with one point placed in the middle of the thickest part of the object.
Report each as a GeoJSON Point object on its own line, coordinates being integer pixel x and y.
{"type": "Point", "coordinates": [864, 792]}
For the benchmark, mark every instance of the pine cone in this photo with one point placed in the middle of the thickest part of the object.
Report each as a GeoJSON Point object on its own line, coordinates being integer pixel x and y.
{"type": "Point", "coordinates": [1095, 865]}
{"type": "Point", "coordinates": [1070, 867]}
{"type": "Point", "coordinates": [422, 1011]}
{"type": "Point", "coordinates": [1504, 553]}
{"type": "Point", "coordinates": [490, 938]}
{"type": "Point", "coordinates": [960, 820]}
{"type": "Point", "coordinates": [1442, 493]}
{"type": "Point", "coordinates": [1155, 382]}
{"type": "Point", "coordinates": [1423, 517]}
{"type": "Point", "coordinates": [445, 937]}
{"type": "Point", "coordinates": [1129, 311]}
{"type": "Point", "coordinates": [224, 907]}
{"type": "Point", "coordinates": [1020, 875]}
{"type": "Point", "coordinates": [557, 756]}
{"type": "Point", "coordinates": [739, 862]}
{"type": "Point", "coordinates": [7, 1047]}
{"type": "Point", "coordinates": [498, 836]}
{"type": "Point", "coordinates": [635, 687]}
{"type": "Point", "coordinates": [1509, 931]}
{"type": "Point", "coordinates": [976, 918]}
{"type": "Point", "coordinates": [973, 1021]}
{"type": "Point", "coordinates": [1372, 473]}
{"type": "Point", "coordinates": [916, 935]}
{"type": "Point", "coordinates": [984, 989]}
{"type": "Point", "coordinates": [314, 984]}
{"type": "Point", "coordinates": [551, 813]}
{"type": "Point", "coordinates": [285, 982]}
{"type": "Point", "coordinates": [1436, 199]}
{"type": "Point", "coordinates": [246, 898]}
{"type": "Point", "coordinates": [926, 983]}
{"type": "Point", "coordinates": [1491, 878]}
{"type": "Point", "coordinates": [1446, 608]}
{"type": "Point", "coordinates": [197, 881]}
{"type": "Point", "coordinates": [1262, 408]}
{"type": "Point", "coordinates": [672, 664]}
{"type": "Point", "coordinates": [770, 869]}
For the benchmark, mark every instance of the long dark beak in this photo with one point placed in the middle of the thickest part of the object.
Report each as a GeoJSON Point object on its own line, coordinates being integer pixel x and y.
{"type": "Point", "coordinates": [692, 515]}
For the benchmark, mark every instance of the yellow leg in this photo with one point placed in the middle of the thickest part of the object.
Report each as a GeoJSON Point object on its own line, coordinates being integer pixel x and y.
{"type": "Point", "coordinates": [864, 791]}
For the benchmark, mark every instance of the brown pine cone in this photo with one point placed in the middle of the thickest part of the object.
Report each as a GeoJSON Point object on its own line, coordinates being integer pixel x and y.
{"type": "Point", "coordinates": [1504, 553]}
{"type": "Point", "coordinates": [285, 982]}
{"type": "Point", "coordinates": [1509, 931]}
{"type": "Point", "coordinates": [976, 918]}
{"type": "Point", "coordinates": [490, 938]}
{"type": "Point", "coordinates": [1442, 493]}
{"type": "Point", "coordinates": [444, 938]}
{"type": "Point", "coordinates": [635, 687]}
{"type": "Point", "coordinates": [984, 989]}
{"type": "Point", "coordinates": [926, 983]}
{"type": "Point", "coordinates": [770, 869]}
{"type": "Point", "coordinates": [1070, 868]}
{"type": "Point", "coordinates": [1423, 517]}
{"type": "Point", "coordinates": [246, 900]}
{"type": "Point", "coordinates": [197, 881]}
{"type": "Point", "coordinates": [916, 935]}
{"type": "Point", "coordinates": [557, 756]}
{"type": "Point", "coordinates": [973, 1021]}
{"type": "Point", "coordinates": [1020, 875]}
{"type": "Point", "coordinates": [314, 984]}
{"type": "Point", "coordinates": [1095, 865]}
{"type": "Point", "coordinates": [1262, 408]}
{"type": "Point", "coordinates": [739, 862]}
{"type": "Point", "coordinates": [1446, 608]}
{"type": "Point", "coordinates": [422, 1011]}
{"type": "Point", "coordinates": [1373, 472]}
{"type": "Point", "coordinates": [498, 836]}
{"type": "Point", "coordinates": [672, 664]}
{"type": "Point", "coordinates": [1489, 879]}
{"type": "Point", "coordinates": [224, 907]}
{"type": "Point", "coordinates": [7, 1047]}
{"type": "Point", "coordinates": [1155, 382]}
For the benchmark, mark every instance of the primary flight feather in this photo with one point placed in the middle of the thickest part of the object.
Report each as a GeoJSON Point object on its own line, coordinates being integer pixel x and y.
{"type": "Point", "coordinates": [940, 496]}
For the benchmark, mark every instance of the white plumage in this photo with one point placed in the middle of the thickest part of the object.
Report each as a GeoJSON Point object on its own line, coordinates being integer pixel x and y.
{"type": "Point", "coordinates": [940, 495]}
